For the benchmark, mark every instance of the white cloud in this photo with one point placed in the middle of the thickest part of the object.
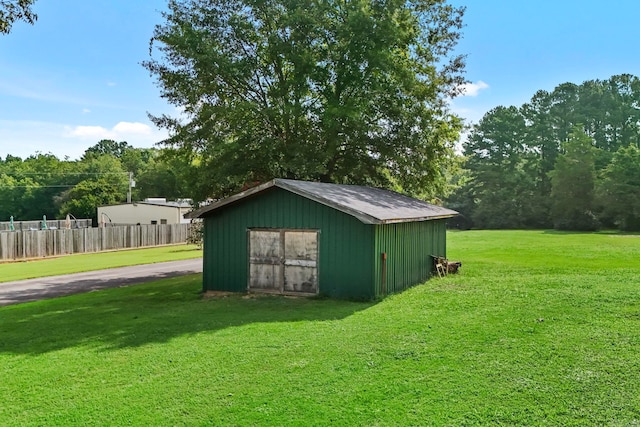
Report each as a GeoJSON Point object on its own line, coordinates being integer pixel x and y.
{"type": "Point", "coordinates": [472, 89]}
{"type": "Point", "coordinates": [87, 132]}
{"type": "Point", "coordinates": [132, 128]}
{"type": "Point", "coordinates": [121, 131]}
{"type": "Point", "coordinates": [23, 138]}
{"type": "Point", "coordinates": [86, 111]}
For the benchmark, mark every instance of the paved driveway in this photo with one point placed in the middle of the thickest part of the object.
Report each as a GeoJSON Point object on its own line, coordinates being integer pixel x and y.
{"type": "Point", "coordinates": [54, 286]}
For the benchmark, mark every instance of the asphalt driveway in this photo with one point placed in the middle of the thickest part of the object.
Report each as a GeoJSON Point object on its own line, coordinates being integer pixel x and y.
{"type": "Point", "coordinates": [54, 286]}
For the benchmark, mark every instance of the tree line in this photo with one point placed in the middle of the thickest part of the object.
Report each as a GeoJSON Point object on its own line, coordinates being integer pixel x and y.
{"type": "Point", "coordinates": [43, 184]}
{"type": "Point", "coordinates": [567, 159]}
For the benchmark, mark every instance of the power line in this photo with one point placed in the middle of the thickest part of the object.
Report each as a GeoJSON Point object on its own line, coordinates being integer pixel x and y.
{"type": "Point", "coordinates": [19, 174]}
{"type": "Point", "coordinates": [38, 186]}
{"type": "Point", "coordinates": [65, 173]}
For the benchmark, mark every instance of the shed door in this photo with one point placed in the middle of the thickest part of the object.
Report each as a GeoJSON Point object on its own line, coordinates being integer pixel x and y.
{"type": "Point", "coordinates": [301, 261]}
{"type": "Point", "coordinates": [283, 261]}
{"type": "Point", "coordinates": [265, 260]}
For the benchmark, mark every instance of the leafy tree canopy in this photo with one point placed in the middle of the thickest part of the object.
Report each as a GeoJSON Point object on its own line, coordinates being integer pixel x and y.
{"type": "Point", "coordinates": [573, 183]}
{"type": "Point", "coordinates": [619, 190]}
{"type": "Point", "coordinates": [341, 91]}
{"type": "Point", "coordinates": [83, 199]}
{"type": "Point", "coordinates": [107, 146]}
{"type": "Point", "coordinates": [42, 184]}
{"type": "Point", "coordinates": [15, 10]}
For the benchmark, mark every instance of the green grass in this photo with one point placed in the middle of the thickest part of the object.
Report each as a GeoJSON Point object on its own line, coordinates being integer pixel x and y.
{"type": "Point", "coordinates": [95, 261]}
{"type": "Point", "coordinates": [537, 329]}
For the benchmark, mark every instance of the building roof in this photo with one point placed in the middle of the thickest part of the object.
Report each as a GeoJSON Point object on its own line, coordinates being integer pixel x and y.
{"type": "Point", "coordinates": [177, 204]}
{"type": "Point", "coordinates": [369, 205]}
{"type": "Point", "coordinates": [181, 204]}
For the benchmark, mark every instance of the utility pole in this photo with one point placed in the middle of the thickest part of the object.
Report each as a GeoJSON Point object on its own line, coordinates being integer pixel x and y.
{"type": "Point", "coordinates": [131, 184]}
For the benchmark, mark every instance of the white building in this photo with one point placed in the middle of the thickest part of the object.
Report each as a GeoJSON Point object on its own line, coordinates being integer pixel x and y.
{"type": "Point", "coordinates": [149, 211]}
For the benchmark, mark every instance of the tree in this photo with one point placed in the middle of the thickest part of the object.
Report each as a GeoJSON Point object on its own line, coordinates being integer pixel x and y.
{"type": "Point", "coordinates": [159, 180]}
{"type": "Point", "coordinates": [462, 197]}
{"type": "Point", "coordinates": [619, 191]}
{"type": "Point", "coordinates": [15, 195]}
{"type": "Point", "coordinates": [15, 10]}
{"type": "Point", "coordinates": [564, 110]}
{"type": "Point", "coordinates": [83, 200]}
{"type": "Point", "coordinates": [107, 146]}
{"type": "Point", "coordinates": [53, 175]}
{"type": "Point", "coordinates": [542, 135]}
{"type": "Point", "coordinates": [513, 153]}
{"type": "Point", "coordinates": [341, 91]}
{"type": "Point", "coordinates": [573, 183]}
{"type": "Point", "coordinates": [100, 181]}
{"type": "Point", "coordinates": [503, 182]}
{"type": "Point", "coordinates": [136, 160]}
{"type": "Point", "coordinates": [35, 182]}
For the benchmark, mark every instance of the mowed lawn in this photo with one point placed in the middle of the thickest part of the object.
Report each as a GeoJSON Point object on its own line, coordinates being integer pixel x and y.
{"type": "Point", "coordinates": [539, 328]}
{"type": "Point", "coordinates": [77, 263]}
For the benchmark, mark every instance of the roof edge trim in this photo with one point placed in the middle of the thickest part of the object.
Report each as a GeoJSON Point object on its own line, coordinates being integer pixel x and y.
{"type": "Point", "coordinates": [283, 183]}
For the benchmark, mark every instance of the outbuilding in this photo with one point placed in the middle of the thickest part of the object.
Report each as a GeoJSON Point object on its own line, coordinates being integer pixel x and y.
{"type": "Point", "coordinates": [155, 210]}
{"type": "Point", "coordinates": [310, 238]}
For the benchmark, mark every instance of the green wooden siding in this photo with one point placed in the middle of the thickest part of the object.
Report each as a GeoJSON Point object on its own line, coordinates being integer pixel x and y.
{"type": "Point", "coordinates": [408, 247]}
{"type": "Point", "coordinates": [346, 265]}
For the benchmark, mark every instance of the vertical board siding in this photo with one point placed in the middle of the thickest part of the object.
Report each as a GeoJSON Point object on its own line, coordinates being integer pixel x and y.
{"type": "Point", "coordinates": [345, 264]}
{"type": "Point", "coordinates": [409, 248]}
{"type": "Point", "coordinates": [15, 245]}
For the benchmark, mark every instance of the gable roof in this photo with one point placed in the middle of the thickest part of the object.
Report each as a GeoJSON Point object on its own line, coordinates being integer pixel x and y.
{"type": "Point", "coordinates": [369, 205]}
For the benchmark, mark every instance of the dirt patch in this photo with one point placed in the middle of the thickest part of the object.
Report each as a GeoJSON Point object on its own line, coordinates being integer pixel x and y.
{"type": "Point", "coordinates": [217, 294]}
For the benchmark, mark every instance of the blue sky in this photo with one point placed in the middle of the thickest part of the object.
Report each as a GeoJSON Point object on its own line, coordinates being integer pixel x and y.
{"type": "Point", "coordinates": [517, 47]}
{"type": "Point", "coordinates": [75, 76]}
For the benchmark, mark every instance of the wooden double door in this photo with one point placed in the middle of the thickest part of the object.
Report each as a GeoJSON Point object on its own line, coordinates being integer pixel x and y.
{"type": "Point", "coordinates": [283, 261]}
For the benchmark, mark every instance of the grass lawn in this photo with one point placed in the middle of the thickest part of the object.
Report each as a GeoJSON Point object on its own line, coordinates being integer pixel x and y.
{"type": "Point", "coordinates": [94, 261]}
{"type": "Point", "coordinates": [539, 328]}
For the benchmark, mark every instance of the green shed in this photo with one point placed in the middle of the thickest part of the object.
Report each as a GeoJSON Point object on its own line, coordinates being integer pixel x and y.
{"type": "Point", "coordinates": [309, 238]}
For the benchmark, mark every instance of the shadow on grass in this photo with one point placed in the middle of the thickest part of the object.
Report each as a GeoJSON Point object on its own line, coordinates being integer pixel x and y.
{"type": "Point", "coordinates": [149, 313]}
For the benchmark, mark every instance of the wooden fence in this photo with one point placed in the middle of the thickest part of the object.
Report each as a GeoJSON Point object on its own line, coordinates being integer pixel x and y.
{"type": "Point", "coordinates": [15, 245]}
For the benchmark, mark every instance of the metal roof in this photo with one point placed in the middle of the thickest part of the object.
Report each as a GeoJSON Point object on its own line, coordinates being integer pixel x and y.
{"type": "Point", "coordinates": [369, 205]}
